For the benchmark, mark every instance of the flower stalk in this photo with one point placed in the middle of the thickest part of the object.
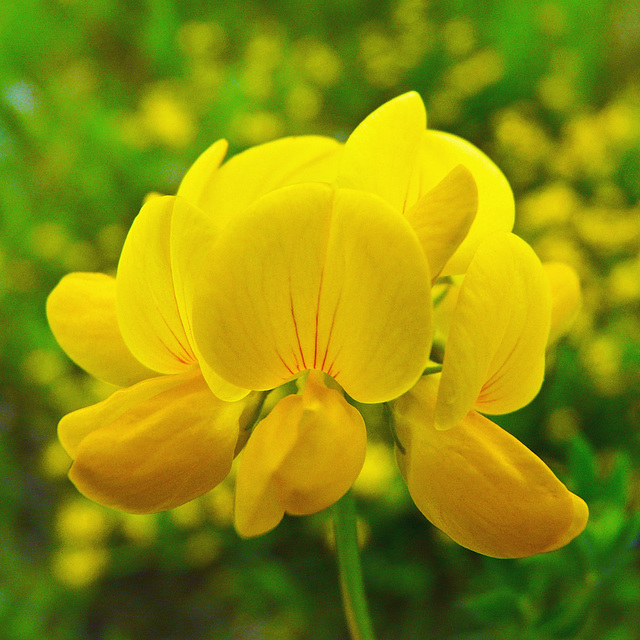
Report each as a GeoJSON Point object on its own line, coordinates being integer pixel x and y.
{"type": "Point", "coordinates": [351, 582]}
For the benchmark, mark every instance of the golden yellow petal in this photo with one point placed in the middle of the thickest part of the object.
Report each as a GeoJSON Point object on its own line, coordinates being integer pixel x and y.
{"type": "Point", "coordinates": [198, 178]}
{"type": "Point", "coordinates": [481, 486]}
{"type": "Point", "coordinates": [148, 313]}
{"type": "Point", "coordinates": [193, 234]}
{"type": "Point", "coordinates": [82, 315]}
{"type": "Point", "coordinates": [259, 170]}
{"type": "Point", "coordinates": [317, 278]}
{"type": "Point", "coordinates": [439, 154]}
{"type": "Point", "coordinates": [154, 446]}
{"type": "Point", "coordinates": [380, 155]}
{"type": "Point", "coordinates": [300, 459]}
{"type": "Point", "coordinates": [442, 217]}
{"type": "Point", "coordinates": [494, 357]}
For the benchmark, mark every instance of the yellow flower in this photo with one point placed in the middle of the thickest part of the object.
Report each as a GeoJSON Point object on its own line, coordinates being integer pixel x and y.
{"type": "Point", "coordinates": [469, 477]}
{"type": "Point", "coordinates": [165, 438]}
{"type": "Point", "coordinates": [304, 260]}
{"type": "Point", "coordinates": [451, 193]}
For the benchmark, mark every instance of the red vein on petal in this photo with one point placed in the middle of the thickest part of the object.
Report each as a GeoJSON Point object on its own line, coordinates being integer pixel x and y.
{"type": "Point", "coordinates": [330, 369]}
{"type": "Point", "coordinates": [295, 358]}
{"type": "Point", "coordinates": [295, 325]}
{"type": "Point", "coordinates": [186, 357]}
{"type": "Point", "coordinates": [284, 363]}
{"type": "Point", "coordinates": [315, 348]}
{"type": "Point", "coordinates": [333, 321]}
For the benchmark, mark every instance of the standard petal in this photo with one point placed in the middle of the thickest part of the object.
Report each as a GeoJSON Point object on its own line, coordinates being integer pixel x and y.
{"type": "Point", "coordinates": [494, 357]}
{"type": "Point", "coordinates": [439, 154]}
{"type": "Point", "coordinates": [380, 154]}
{"type": "Point", "coordinates": [199, 176]}
{"type": "Point", "coordinates": [259, 170]}
{"type": "Point", "coordinates": [148, 313]}
{"type": "Point", "coordinates": [442, 217]}
{"type": "Point", "coordinates": [82, 315]}
{"type": "Point", "coordinates": [154, 446]}
{"type": "Point", "coordinates": [300, 459]}
{"type": "Point", "coordinates": [333, 280]}
{"type": "Point", "coordinates": [566, 298]}
{"type": "Point", "coordinates": [480, 485]}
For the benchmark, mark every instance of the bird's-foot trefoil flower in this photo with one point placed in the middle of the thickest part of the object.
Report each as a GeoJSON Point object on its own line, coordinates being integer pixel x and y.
{"type": "Point", "coordinates": [471, 478]}
{"type": "Point", "coordinates": [164, 438]}
{"type": "Point", "coordinates": [309, 261]}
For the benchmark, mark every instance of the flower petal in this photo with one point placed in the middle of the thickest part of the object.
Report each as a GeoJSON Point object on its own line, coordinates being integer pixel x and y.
{"type": "Point", "coordinates": [481, 486]}
{"type": "Point", "coordinates": [193, 233]}
{"type": "Point", "coordinates": [154, 446]}
{"type": "Point", "coordinates": [199, 176]}
{"type": "Point", "coordinates": [300, 459]}
{"type": "Point", "coordinates": [442, 217]}
{"type": "Point", "coordinates": [380, 154]}
{"type": "Point", "coordinates": [82, 315]}
{"type": "Point", "coordinates": [439, 154]}
{"type": "Point", "coordinates": [566, 298]}
{"type": "Point", "coordinates": [225, 193]}
{"type": "Point", "coordinates": [317, 278]}
{"type": "Point", "coordinates": [494, 357]}
{"type": "Point", "coordinates": [148, 314]}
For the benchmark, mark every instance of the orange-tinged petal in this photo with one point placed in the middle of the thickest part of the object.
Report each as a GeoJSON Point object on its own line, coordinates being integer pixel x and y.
{"type": "Point", "coordinates": [494, 357]}
{"type": "Point", "coordinates": [480, 485]}
{"type": "Point", "coordinates": [148, 313]}
{"type": "Point", "coordinates": [380, 154]}
{"type": "Point", "coordinates": [198, 178]}
{"type": "Point", "coordinates": [82, 315]}
{"type": "Point", "coordinates": [579, 522]}
{"type": "Point", "coordinates": [154, 446]}
{"type": "Point", "coordinates": [259, 170]}
{"type": "Point", "coordinates": [333, 280]}
{"type": "Point", "coordinates": [300, 459]}
{"type": "Point", "coordinates": [439, 154]}
{"type": "Point", "coordinates": [566, 298]}
{"type": "Point", "coordinates": [442, 217]}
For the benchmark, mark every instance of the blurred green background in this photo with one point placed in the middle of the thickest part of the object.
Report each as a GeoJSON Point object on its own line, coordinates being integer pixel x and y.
{"type": "Point", "coordinates": [102, 102]}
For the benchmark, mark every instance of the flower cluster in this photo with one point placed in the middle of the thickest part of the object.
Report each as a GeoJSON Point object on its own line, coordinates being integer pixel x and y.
{"type": "Point", "coordinates": [306, 267]}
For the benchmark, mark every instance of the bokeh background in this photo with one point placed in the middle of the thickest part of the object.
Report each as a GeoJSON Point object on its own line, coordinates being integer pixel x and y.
{"type": "Point", "coordinates": [102, 102]}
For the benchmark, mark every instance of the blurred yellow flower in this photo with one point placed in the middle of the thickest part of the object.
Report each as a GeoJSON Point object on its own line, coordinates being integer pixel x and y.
{"type": "Point", "coordinates": [79, 567]}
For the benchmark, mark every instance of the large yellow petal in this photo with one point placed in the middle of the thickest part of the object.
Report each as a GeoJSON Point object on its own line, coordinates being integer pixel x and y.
{"type": "Point", "coordinates": [198, 178]}
{"type": "Point", "coordinates": [317, 278]}
{"type": "Point", "coordinates": [380, 154]}
{"type": "Point", "coordinates": [494, 357]}
{"type": "Point", "coordinates": [225, 193]}
{"type": "Point", "coordinates": [566, 298]}
{"type": "Point", "coordinates": [439, 154]}
{"type": "Point", "coordinates": [481, 486]}
{"type": "Point", "coordinates": [148, 313]}
{"type": "Point", "coordinates": [300, 459]}
{"type": "Point", "coordinates": [82, 315]}
{"type": "Point", "coordinates": [154, 446]}
{"type": "Point", "coordinates": [193, 233]}
{"type": "Point", "coordinates": [442, 217]}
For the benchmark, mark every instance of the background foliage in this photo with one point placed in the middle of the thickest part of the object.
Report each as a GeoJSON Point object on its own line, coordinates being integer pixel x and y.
{"type": "Point", "coordinates": [104, 101]}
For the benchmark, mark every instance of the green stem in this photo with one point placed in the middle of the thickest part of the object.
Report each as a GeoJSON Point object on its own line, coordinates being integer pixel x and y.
{"type": "Point", "coordinates": [351, 582]}
{"type": "Point", "coordinates": [391, 421]}
{"type": "Point", "coordinates": [436, 368]}
{"type": "Point", "coordinates": [256, 413]}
